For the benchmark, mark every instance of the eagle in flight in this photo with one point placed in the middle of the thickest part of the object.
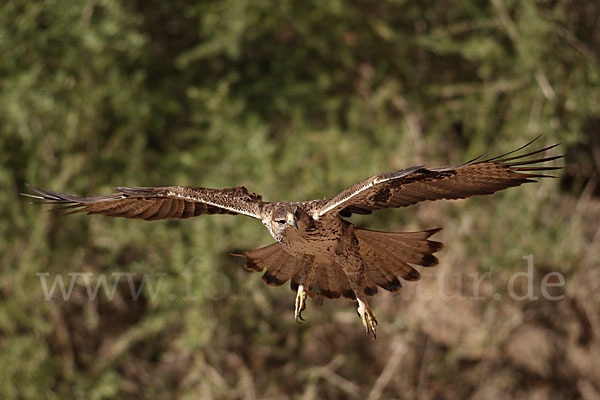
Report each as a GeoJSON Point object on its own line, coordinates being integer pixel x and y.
{"type": "Point", "coordinates": [322, 254]}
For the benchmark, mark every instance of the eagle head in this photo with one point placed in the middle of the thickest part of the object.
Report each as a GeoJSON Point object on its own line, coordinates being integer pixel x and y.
{"type": "Point", "coordinates": [287, 216]}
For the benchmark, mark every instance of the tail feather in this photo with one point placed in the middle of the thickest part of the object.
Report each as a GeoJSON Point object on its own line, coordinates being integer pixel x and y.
{"type": "Point", "coordinates": [325, 277]}
{"type": "Point", "coordinates": [280, 266]}
{"type": "Point", "coordinates": [388, 255]}
{"type": "Point", "coordinates": [336, 284]}
{"type": "Point", "coordinates": [319, 281]}
{"type": "Point", "coordinates": [377, 271]}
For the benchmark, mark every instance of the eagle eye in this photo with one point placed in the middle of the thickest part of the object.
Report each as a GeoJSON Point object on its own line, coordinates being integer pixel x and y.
{"type": "Point", "coordinates": [280, 221]}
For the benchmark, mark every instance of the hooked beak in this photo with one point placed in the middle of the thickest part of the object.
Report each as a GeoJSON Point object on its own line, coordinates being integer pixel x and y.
{"type": "Point", "coordinates": [292, 221]}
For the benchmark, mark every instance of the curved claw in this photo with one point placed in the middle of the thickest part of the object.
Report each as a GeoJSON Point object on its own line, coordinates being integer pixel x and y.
{"type": "Point", "coordinates": [367, 318]}
{"type": "Point", "coordinates": [298, 317]}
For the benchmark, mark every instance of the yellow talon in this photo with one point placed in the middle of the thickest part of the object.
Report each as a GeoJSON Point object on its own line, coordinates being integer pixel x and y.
{"type": "Point", "coordinates": [367, 318]}
{"type": "Point", "coordinates": [300, 303]}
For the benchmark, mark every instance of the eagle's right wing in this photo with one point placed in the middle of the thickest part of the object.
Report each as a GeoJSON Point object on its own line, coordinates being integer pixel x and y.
{"type": "Point", "coordinates": [152, 203]}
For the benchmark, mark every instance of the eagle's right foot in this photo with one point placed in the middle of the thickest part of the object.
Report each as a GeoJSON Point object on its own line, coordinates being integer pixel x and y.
{"type": "Point", "coordinates": [367, 318]}
{"type": "Point", "coordinates": [300, 303]}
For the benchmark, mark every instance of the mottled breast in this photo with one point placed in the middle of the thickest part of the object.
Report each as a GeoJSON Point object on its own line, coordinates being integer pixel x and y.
{"type": "Point", "coordinates": [314, 237]}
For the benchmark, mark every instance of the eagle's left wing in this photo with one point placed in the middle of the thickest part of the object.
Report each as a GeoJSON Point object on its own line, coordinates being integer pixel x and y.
{"type": "Point", "coordinates": [412, 185]}
{"type": "Point", "coordinates": [152, 203]}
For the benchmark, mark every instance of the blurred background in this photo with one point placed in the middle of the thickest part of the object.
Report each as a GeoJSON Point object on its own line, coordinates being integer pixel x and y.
{"type": "Point", "coordinates": [295, 100]}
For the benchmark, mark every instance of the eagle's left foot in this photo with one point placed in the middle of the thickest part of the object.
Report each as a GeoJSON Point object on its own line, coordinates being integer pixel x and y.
{"type": "Point", "coordinates": [300, 303]}
{"type": "Point", "coordinates": [367, 318]}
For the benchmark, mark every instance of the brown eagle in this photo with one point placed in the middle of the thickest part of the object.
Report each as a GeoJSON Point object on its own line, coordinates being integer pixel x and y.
{"type": "Point", "coordinates": [321, 253]}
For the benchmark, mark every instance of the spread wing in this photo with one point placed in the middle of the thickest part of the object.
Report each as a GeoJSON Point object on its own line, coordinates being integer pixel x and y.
{"type": "Point", "coordinates": [415, 184]}
{"type": "Point", "coordinates": [152, 203]}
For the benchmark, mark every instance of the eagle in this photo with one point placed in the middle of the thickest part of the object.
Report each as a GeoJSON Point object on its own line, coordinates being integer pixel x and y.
{"type": "Point", "coordinates": [322, 254]}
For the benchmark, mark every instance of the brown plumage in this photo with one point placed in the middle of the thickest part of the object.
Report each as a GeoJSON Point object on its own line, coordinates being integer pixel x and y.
{"type": "Point", "coordinates": [387, 257]}
{"type": "Point", "coordinates": [317, 251]}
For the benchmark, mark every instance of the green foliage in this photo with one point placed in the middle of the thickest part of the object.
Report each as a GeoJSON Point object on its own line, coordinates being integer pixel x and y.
{"type": "Point", "coordinates": [295, 100]}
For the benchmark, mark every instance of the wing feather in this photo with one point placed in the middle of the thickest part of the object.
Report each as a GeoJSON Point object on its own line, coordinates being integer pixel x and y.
{"type": "Point", "coordinates": [153, 203]}
{"type": "Point", "coordinates": [415, 184]}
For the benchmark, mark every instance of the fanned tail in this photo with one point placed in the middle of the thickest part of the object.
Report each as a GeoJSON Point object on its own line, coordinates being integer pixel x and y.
{"type": "Point", "coordinates": [389, 255]}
